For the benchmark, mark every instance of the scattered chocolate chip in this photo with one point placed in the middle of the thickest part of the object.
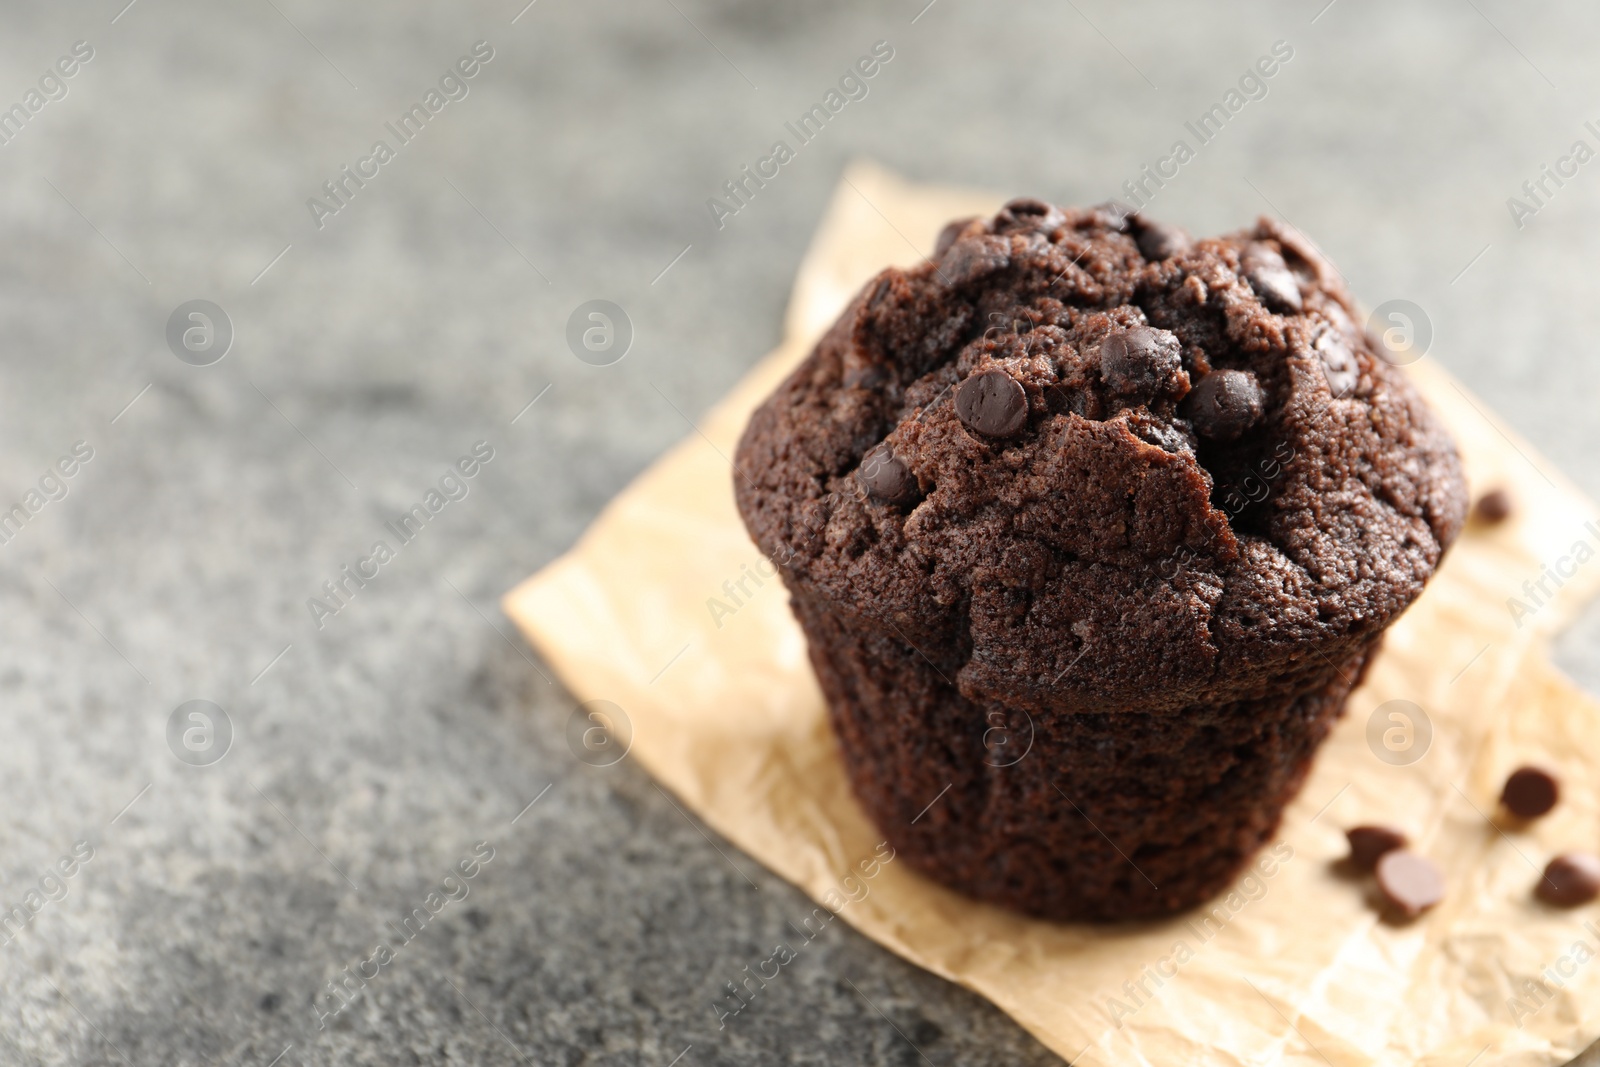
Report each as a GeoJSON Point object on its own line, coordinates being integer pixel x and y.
{"type": "Point", "coordinates": [1572, 878]}
{"type": "Point", "coordinates": [974, 257]}
{"type": "Point", "coordinates": [1493, 507]}
{"type": "Point", "coordinates": [1410, 883]}
{"type": "Point", "coordinates": [1224, 405]}
{"type": "Point", "coordinates": [1139, 361]}
{"type": "Point", "coordinates": [992, 403]}
{"type": "Point", "coordinates": [1530, 792]}
{"type": "Point", "coordinates": [886, 477]}
{"type": "Point", "coordinates": [1369, 844]}
{"type": "Point", "coordinates": [1158, 241]}
{"type": "Point", "coordinates": [1272, 279]}
{"type": "Point", "coordinates": [948, 235]}
{"type": "Point", "coordinates": [1338, 365]}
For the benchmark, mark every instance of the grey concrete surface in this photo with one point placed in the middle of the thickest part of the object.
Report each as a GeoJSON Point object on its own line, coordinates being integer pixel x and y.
{"type": "Point", "coordinates": [423, 317]}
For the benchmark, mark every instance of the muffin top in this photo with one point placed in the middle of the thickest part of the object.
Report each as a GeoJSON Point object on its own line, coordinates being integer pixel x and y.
{"type": "Point", "coordinates": [1087, 464]}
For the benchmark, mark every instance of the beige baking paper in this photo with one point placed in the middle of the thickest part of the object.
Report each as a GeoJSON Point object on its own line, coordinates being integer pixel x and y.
{"type": "Point", "coordinates": [1294, 969]}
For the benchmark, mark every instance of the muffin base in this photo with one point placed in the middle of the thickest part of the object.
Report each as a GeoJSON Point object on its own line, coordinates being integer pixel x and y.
{"type": "Point", "coordinates": [1071, 817]}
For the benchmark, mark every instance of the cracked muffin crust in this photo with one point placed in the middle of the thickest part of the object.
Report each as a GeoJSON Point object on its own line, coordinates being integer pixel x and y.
{"type": "Point", "coordinates": [1131, 493]}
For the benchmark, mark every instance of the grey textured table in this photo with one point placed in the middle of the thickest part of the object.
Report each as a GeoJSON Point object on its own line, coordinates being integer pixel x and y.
{"type": "Point", "coordinates": [376, 344]}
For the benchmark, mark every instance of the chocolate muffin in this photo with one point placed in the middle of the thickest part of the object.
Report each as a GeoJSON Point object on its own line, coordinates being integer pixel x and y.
{"type": "Point", "coordinates": [1091, 529]}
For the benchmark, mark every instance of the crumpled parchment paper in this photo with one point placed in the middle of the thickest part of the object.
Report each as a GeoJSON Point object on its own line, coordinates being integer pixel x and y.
{"type": "Point", "coordinates": [1293, 967]}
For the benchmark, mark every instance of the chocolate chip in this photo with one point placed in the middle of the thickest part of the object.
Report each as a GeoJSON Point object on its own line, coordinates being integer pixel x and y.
{"type": "Point", "coordinates": [1158, 241]}
{"type": "Point", "coordinates": [1572, 878]}
{"type": "Point", "coordinates": [886, 477]}
{"type": "Point", "coordinates": [1369, 844]}
{"type": "Point", "coordinates": [974, 257]}
{"type": "Point", "coordinates": [1027, 205]}
{"type": "Point", "coordinates": [948, 235]}
{"type": "Point", "coordinates": [1271, 278]}
{"type": "Point", "coordinates": [1224, 405]}
{"type": "Point", "coordinates": [1410, 883]}
{"type": "Point", "coordinates": [1530, 792]}
{"type": "Point", "coordinates": [1139, 361]}
{"type": "Point", "coordinates": [1338, 365]}
{"type": "Point", "coordinates": [992, 403]}
{"type": "Point", "coordinates": [1027, 214]}
{"type": "Point", "coordinates": [1493, 507]}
